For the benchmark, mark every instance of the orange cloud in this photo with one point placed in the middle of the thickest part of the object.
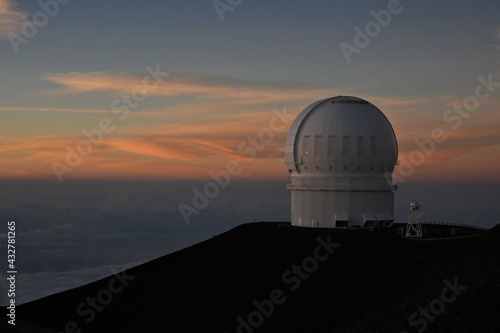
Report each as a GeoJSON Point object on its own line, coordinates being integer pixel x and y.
{"type": "Point", "coordinates": [45, 109]}
{"type": "Point", "coordinates": [185, 149]}
{"type": "Point", "coordinates": [206, 87]}
{"type": "Point", "coordinates": [203, 132]}
{"type": "Point", "coordinates": [163, 156]}
{"type": "Point", "coordinates": [481, 164]}
{"type": "Point", "coordinates": [464, 153]}
{"type": "Point", "coordinates": [148, 148]}
{"type": "Point", "coordinates": [11, 18]}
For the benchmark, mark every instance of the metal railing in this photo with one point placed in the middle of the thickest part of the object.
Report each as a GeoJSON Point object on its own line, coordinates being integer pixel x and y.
{"type": "Point", "coordinates": [456, 225]}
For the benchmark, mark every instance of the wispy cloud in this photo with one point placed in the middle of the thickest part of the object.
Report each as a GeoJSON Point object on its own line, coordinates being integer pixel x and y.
{"type": "Point", "coordinates": [463, 141]}
{"type": "Point", "coordinates": [151, 148]}
{"type": "Point", "coordinates": [467, 153]}
{"type": "Point", "coordinates": [200, 133]}
{"type": "Point", "coordinates": [45, 109]}
{"type": "Point", "coordinates": [11, 18]}
{"type": "Point", "coordinates": [194, 85]}
{"type": "Point", "coordinates": [169, 156]}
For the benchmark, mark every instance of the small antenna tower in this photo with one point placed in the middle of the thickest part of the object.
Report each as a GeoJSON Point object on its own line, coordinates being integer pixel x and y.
{"type": "Point", "coordinates": [414, 220]}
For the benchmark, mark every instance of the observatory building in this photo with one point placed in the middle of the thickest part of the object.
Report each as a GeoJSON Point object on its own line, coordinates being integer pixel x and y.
{"type": "Point", "coordinates": [340, 153]}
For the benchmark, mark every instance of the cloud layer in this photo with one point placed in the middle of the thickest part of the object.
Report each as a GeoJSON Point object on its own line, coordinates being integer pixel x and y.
{"type": "Point", "coordinates": [11, 18]}
{"type": "Point", "coordinates": [198, 123]}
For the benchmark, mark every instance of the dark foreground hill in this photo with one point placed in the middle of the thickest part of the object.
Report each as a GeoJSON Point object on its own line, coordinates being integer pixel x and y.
{"type": "Point", "coordinates": [271, 277]}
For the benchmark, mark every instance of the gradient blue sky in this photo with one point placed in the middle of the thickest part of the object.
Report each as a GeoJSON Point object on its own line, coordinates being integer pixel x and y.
{"type": "Point", "coordinates": [120, 205]}
{"type": "Point", "coordinates": [227, 76]}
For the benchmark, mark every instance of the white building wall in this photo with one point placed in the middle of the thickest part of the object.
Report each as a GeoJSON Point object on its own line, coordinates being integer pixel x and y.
{"type": "Point", "coordinates": [341, 152]}
{"type": "Point", "coordinates": [323, 208]}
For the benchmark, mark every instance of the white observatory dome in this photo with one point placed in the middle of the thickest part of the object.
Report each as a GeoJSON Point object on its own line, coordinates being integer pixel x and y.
{"type": "Point", "coordinates": [341, 152]}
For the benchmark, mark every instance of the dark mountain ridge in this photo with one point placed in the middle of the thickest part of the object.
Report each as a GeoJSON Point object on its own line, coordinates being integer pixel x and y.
{"type": "Point", "coordinates": [272, 277]}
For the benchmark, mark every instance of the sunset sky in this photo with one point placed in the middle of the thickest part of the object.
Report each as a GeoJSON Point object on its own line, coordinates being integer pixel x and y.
{"type": "Point", "coordinates": [225, 78]}
{"type": "Point", "coordinates": [222, 75]}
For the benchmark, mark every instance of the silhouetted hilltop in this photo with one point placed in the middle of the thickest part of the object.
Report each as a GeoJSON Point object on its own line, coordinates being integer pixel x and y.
{"type": "Point", "coordinates": [272, 277]}
{"type": "Point", "coordinates": [475, 266]}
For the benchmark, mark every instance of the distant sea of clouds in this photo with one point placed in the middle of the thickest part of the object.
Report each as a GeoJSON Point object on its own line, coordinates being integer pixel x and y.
{"type": "Point", "coordinates": [72, 233]}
